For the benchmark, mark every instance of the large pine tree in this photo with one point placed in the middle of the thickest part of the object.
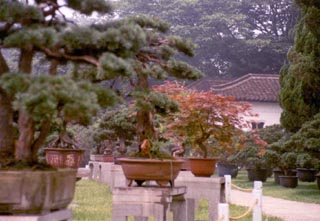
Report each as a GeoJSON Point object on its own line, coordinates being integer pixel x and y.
{"type": "Point", "coordinates": [300, 79]}
{"type": "Point", "coordinates": [135, 49]}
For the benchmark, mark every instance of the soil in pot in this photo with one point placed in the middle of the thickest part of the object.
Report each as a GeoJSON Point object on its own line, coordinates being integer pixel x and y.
{"type": "Point", "coordinates": [257, 174]}
{"type": "Point", "coordinates": [306, 175]}
{"type": "Point", "coordinates": [227, 169]}
{"type": "Point", "coordinates": [202, 167]}
{"type": "Point", "coordinates": [288, 181]}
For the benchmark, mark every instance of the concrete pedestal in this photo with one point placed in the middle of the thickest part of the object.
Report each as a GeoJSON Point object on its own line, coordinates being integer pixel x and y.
{"type": "Point", "coordinates": [209, 188]}
{"type": "Point", "coordinates": [154, 201]}
{"type": "Point", "coordinates": [61, 215]}
{"type": "Point", "coordinates": [107, 173]}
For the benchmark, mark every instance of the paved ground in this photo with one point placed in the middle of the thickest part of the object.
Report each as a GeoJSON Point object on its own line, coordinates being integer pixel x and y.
{"type": "Point", "coordinates": [285, 209]}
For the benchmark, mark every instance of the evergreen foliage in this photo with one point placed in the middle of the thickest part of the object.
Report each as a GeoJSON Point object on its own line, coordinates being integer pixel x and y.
{"type": "Point", "coordinates": [133, 49]}
{"type": "Point", "coordinates": [300, 79]}
{"type": "Point", "coordinates": [234, 37]}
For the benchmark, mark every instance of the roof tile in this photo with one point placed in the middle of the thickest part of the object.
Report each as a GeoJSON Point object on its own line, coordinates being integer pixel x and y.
{"type": "Point", "coordinates": [250, 87]}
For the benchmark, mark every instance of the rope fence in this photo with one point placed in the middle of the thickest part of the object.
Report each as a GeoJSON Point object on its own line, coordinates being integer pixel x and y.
{"type": "Point", "coordinates": [245, 213]}
{"type": "Point", "coordinates": [241, 189]}
{"type": "Point", "coordinates": [255, 208]}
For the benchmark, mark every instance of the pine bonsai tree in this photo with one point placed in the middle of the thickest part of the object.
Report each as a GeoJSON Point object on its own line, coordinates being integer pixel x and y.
{"type": "Point", "coordinates": [300, 79]}
{"type": "Point", "coordinates": [135, 48]}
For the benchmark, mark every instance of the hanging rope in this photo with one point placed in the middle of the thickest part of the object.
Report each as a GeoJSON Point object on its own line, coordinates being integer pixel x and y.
{"type": "Point", "coordinates": [245, 214]}
{"type": "Point", "coordinates": [241, 189]}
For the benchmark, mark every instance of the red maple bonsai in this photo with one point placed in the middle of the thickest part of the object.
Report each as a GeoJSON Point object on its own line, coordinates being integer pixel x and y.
{"type": "Point", "coordinates": [206, 120]}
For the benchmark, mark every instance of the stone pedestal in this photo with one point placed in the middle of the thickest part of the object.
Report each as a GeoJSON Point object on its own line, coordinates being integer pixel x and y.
{"type": "Point", "coordinates": [107, 173]}
{"type": "Point", "coordinates": [209, 188]}
{"type": "Point", "coordinates": [61, 215]}
{"type": "Point", "coordinates": [153, 201]}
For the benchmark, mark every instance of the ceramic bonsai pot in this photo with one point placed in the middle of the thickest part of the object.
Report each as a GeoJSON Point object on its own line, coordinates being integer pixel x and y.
{"type": "Point", "coordinates": [36, 192]}
{"type": "Point", "coordinates": [186, 163]}
{"type": "Point", "coordinates": [288, 181]}
{"type": "Point", "coordinates": [255, 174]}
{"type": "Point", "coordinates": [64, 158]}
{"type": "Point", "coordinates": [203, 167]}
{"type": "Point", "coordinates": [306, 175]}
{"type": "Point", "coordinates": [162, 171]}
{"type": "Point", "coordinates": [227, 169]}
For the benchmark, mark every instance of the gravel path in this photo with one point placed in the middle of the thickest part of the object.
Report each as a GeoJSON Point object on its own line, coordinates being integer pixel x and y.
{"type": "Point", "coordinates": [285, 209]}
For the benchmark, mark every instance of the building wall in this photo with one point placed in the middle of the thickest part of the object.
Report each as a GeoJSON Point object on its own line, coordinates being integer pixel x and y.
{"type": "Point", "coordinates": [269, 112]}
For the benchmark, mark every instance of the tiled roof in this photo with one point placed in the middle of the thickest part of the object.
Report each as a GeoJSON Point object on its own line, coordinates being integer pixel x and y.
{"type": "Point", "coordinates": [250, 87]}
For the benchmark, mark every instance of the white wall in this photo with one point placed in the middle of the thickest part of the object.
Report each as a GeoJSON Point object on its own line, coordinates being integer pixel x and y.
{"type": "Point", "coordinates": [269, 112]}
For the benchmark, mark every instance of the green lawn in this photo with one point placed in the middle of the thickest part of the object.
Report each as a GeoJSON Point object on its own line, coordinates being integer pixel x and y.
{"type": "Point", "coordinates": [304, 192]}
{"type": "Point", "coordinates": [93, 202]}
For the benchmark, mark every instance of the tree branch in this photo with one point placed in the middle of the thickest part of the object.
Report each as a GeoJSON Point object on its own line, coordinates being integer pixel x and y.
{"type": "Point", "coordinates": [87, 59]}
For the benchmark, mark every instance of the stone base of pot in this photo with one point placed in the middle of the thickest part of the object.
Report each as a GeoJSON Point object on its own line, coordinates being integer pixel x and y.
{"type": "Point", "coordinates": [306, 175]}
{"type": "Point", "coordinates": [276, 174]}
{"type": "Point", "coordinates": [36, 192]}
{"type": "Point", "coordinates": [288, 181]}
{"type": "Point", "coordinates": [227, 169]}
{"type": "Point", "coordinates": [203, 167]}
{"type": "Point", "coordinates": [64, 158]}
{"type": "Point", "coordinates": [163, 171]}
{"type": "Point", "coordinates": [257, 174]}
{"type": "Point", "coordinates": [101, 158]}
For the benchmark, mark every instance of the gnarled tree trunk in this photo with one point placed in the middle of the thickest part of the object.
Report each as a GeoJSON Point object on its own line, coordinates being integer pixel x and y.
{"type": "Point", "coordinates": [25, 123]}
{"type": "Point", "coordinates": [6, 119]}
{"type": "Point", "coordinates": [6, 127]}
{"type": "Point", "coordinates": [145, 124]}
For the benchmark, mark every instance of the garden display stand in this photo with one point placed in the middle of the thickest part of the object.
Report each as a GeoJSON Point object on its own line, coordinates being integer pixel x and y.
{"type": "Point", "coordinates": [151, 201]}
{"type": "Point", "coordinates": [211, 189]}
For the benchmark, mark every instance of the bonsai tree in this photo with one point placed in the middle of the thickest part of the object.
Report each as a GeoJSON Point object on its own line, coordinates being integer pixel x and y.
{"type": "Point", "coordinates": [253, 152]}
{"type": "Point", "coordinates": [288, 162]}
{"type": "Point", "coordinates": [305, 160]}
{"type": "Point", "coordinates": [134, 48]}
{"type": "Point", "coordinates": [205, 120]}
{"type": "Point", "coordinates": [116, 127]}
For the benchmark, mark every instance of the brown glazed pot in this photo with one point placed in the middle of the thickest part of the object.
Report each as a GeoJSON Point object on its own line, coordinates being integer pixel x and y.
{"type": "Point", "coordinates": [306, 175]}
{"type": "Point", "coordinates": [288, 181]}
{"type": "Point", "coordinates": [36, 192]}
{"type": "Point", "coordinates": [162, 171]}
{"type": "Point", "coordinates": [64, 158]}
{"type": "Point", "coordinates": [255, 174]}
{"type": "Point", "coordinates": [186, 163]}
{"type": "Point", "coordinates": [203, 167]}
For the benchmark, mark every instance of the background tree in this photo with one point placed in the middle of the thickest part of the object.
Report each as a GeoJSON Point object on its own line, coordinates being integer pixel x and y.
{"type": "Point", "coordinates": [233, 37]}
{"type": "Point", "coordinates": [134, 48]}
{"type": "Point", "coordinates": [117, 126]}
{"type": "Point", "coordinates": [300, 78]}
